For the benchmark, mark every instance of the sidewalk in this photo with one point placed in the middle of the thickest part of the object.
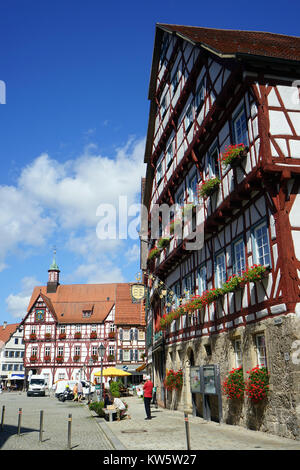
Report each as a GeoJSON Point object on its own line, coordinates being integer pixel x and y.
{"type": "Point", "coordinates": [166, 431]}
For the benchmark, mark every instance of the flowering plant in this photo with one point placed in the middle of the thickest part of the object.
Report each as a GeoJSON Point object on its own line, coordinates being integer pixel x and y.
{"type": "Point", "coordinates": [32, 336]}
{"type": "Point", "coordinates": [255, 273]}
{"type": "Point", "coordinates": [94, 357]}
{"type": "Point", "coordinates": [257, 385]}
{"type": "Point", "coordinates": [33, 358]}
{"type": "Point", "coordinates": [76, 358]}
{"type": "Point", "coordinates": [173, 380]}
{"type": "Point", "coordinates": [153, 253]}
{"type": "Point", "coordinates": [234, 384]}
{"type": "Point", "coordinates": [47, 335]}
{"type": "Point", "coordinates": [47, 358]}
{"type": "Point", "coordinates": [233, 283]}
{"type": "Point", "coordinates": [59, 359]}
{"type": "Point", "coordinates": [62, 336]}
{"type": "Point", "coordinates": [93, 335]}
{"type": "Point", "coordinates": [162, 243]}
{"type": "Point", "coordinates": [173, 224]}
{"type": "Point", "coordinates": [111, 357]}
{"type": "Point", "coordinates": [233, 153]}
{"type": "Point", "coordinates": [208, 187]}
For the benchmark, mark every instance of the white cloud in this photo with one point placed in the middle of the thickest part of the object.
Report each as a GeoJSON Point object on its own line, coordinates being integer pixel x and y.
{"type": "Point", "coordinates": [133, 253]}
{"type": "Point", "coordinates": [17, 303]}
{"type": "Point", "coordinates": [64, 197]}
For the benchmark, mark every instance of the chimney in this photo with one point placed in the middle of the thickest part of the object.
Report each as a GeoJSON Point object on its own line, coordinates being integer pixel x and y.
{"type": "Point", "coordinates": [4, 325]}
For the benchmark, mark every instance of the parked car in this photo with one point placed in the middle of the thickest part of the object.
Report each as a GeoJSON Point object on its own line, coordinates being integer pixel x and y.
{"type": "Point", "coordinates": [37, 386]}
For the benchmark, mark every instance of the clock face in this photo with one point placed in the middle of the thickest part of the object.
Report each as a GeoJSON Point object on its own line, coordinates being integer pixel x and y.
{"type": "Point", "coordinates": [40, 314]}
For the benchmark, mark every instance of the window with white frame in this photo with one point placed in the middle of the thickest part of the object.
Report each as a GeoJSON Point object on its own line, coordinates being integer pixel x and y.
{"type": "Point", "coordinates": [238, 353]}
{"type": "Point", "coordinates": [188, 120]}
{"type": "Point", "coordinates": [213, 162]}
{"type": "Point", "coordinates": [60, 351]}
{"type": "Point", "coordinates": [220, 266]}
{"type": "Point", "coordinates": [163, 106]}
{"type": "Point", "coordinates": [261, 245]}
{"type": "Point", "coordinates": [62, 329]}
{"type": "Point", "coordinates": [111, 350]}
{"type": "Point", "coordinates": [94, 328]}
{"type": "Point", "coordinates": [77, 328]}
{"type": "Point", "coordinates": [47, 350]}
{"type": "Point", "coordinates": [126, 335]}
{"type": "Point", "coordinates": [126, 354]}
{"type": "Point", "coordinates": [193, 188]}
{"type": "Point", "coordinates": [159, 170]}
{"type": "Point", "coordinates": [33, 329]}
{"type": "Point", "coordinates": [239, 262]}
{"type": "Point", "coordinates": [34, 351]}
{"type": "Point", "coordinates": [48, 328]}
{"type": "Point", "coordinates": [199, 97]}
{"type": "Point", "coordinates": [170, 154]}
{"type": "Point", "coordinates": [77, 351]}
{"type": "Point", "coordinates": [201, 280]}
{"type": "Point", "coordinates": [112, 327]}
{"type": "Point", "coordinates": [61, 376]}
{"type": "Point", "coordinates": [240, 130]}
{"type": "Point", "coordinates": [177, 291]}
{"type": "Point", "coordinates": [188, 286]}
{"type": "Point", "coordinates": [94, 351]}
{"type": "Point", "coordinates": [175, 81]}
{"type": "Point", "coordinates": [261, 350]}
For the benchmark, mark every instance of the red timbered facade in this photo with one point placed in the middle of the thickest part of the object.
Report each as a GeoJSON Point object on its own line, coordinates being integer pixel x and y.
{"type": "Point", "coordinates": [212, 93]}
{"type": "Point", "coordinates": [66, 324]}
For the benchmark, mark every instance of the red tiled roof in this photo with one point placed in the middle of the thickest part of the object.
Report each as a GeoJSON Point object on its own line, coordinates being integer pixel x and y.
{"type": "Point", "coordinates": [127, 312]}
{"type": "Point", "coordinates": [226, 41]}
{"type": "Point", "coordinates": [7, 331]}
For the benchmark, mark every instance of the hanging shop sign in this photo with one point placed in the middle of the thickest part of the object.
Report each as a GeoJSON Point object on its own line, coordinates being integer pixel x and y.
{"type": "Point", "coordinates": [137, 292]}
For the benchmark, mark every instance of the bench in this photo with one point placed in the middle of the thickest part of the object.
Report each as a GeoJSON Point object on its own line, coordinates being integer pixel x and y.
{"type": "Point", "coordinates": [110, 413]}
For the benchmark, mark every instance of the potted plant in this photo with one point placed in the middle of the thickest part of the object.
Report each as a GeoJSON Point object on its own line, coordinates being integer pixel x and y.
{"type": "Point", "coordinates": [153, 253]}
{"type": "Point", "coordinates": [234, 384]}
{"type": "Point", "coordinates": [173, 380]}
{"type": "Point", "coordinates": [93, 335]}
{"type": "Point", "coordinates": [33, 358]}
{"type": "Point", "coordinates": [257, 385]}
{"type": "Point", "coordinates": [95, 357]}
{"type": "Point", "coordinates": [59, 359]}
{"type": "Point", "coordinates": [208, 187]}
{"type": "Point", "coordinates": [234, 154]}
{"type": "Point", "coordinates": [77, 335]}
{"type": "Point", "coordinates": [62, 336]}
{"type": "Point", "coordinates": [163, 243]}
{"type": "Point", "coordinates": [47, 358]}
{"type": "Point", "coordinates": [32, 336]}
{"type": "Point", "coordinates": [76, 358]}
{"type": "Point", "coordinates": [111, 334]}
{"type": "Point", "coordinates": [256, 273]}
{"type": "Point", "coordinates": [47, 336]}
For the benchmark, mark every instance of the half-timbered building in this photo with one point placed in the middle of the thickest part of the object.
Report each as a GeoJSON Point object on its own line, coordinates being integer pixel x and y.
{"type": "Point", "coordinates": [223, 144]}
{"type": "Point", "coordinates": [65, 325]}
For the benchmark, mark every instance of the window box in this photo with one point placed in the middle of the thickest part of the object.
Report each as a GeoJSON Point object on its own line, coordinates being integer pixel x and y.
{"type": "Point", "coordinates": [208, 187]}
{"type": "Point", "coordinates": [111, 334]}
{"type": "Point", "coordinates": [95, 357]}
{"type": "Point", "coordinates": [62, 336]}
{"type": "Point", "coordinates": [77, 335]}
{"type": "Point", "coordinates": [76, 358]}
{"type": "Point", "coordinates": [154, 253]}
{"type": "Point", "coordinates": [234, 155]}
{"type": "Point", "coordinates": [111, 358]}
{"type": "Point", "coordinates": [163, 243]}
{"type": "Point", "coordinates": [93, 335]}
{"type": "Point", "coordinates": [59, 359]}
{"type": "Point", "coordinates": [33, 358]}
{"type": "Point", "coordinates": [47, 336]}
{"type": "Point", "coordinates": [32, 336]}
{"type": "Point", "coordinates": [47, 358]}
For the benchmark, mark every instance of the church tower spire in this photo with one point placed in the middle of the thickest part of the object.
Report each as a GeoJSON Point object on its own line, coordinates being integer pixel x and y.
{"type": "Point", "coordinates": [53, 277]}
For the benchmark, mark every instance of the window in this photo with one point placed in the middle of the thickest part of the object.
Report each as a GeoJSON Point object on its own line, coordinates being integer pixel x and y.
{"type": "Point", "coordinates": [62, 329]}
{"type": "Point", "coordinates": [201, 280]}
{"type": "Point", "coordinates": [126, 355]}
{"type": "Point", "coordinates": [77, 351]}
{"type": "Point", "coordinates": [240, 131]}
{"type": "Point", "coordinates": [60, 351]}
{"type": "Point", "coordinates": [261, 350]}
{"type": "Point", "coordinates": [188, 288]}
{"type": "Point", "coordinates": [164, 46]}
{"type": "Point", "coordinates": [237, 345]}
{"type": "Point", "coordinates": [111, 351]}
{"type": "Point", "coordinates": [112, 327]}
{"type": "Point", "coordinates": [77, 328]}
{"type": "Point", "coordinates": [126, 335]}
{"type": "Point", "coordinates": [163, 106]}
{"type": "Point", "coordinates": [159, 172]}
{"type": "Point", "coordinates": [220, 270]}
{"type": "Point", "coordinates": [170, 154]}
{"type": "Point", "coordinates": [199, 97]}
{"type": "Point", "coordinates": [239, 262]}
{"type": "Point", "coordinates": [94, 351]}
{"type": "Point", "coordinates": [261, 245]}
{"type": "Point", "coordinates": [193, 188]}
{"type": "Point", "coordinates": [48, 329]}
{"type": "Point", "coordinates": [16, 341]}
{"type": "Point", "coordinates": [33, 329]}
{"type": "Point", "coordinates": [213, 162]}
{"type": "Point", "coordinates": [47, 351]}
{"type": "Point", "coordinates": [34, 351]}
{"type": "Point", "coordinates": [188, 120]}
{"type": "Point", "coordinates": [94, 328]}
{"type": "Point", "coordinates": [175, 81]}
{"type": "Point", "coordinates": [141, 335]}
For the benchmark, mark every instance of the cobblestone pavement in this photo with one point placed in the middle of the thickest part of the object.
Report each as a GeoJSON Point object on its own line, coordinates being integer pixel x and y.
{"type": "Point", "coordinates": [85, 432]}
{"type": "Point", "coordinates": [166, 431]}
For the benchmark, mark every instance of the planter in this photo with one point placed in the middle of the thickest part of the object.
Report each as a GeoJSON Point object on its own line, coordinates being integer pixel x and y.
{"type": "Point", "coordinates": [154, 253]}
{"type": "Point", "coordinates": [47, 358]}
{"type": "Point", "coordinates": [77, 336]}
{"type": "Point", "coordinates": [163, 243]}
{"type": "Point", "coordinates": [33, 358]}
{"type": "Point", "coordinates": [111, 358]}
{"type": "Point", "coordinates": [47, 337]}
{"type": "Point", "coordinates": [62, 336]}
{"type": "Point", "coordinates": [111, 335]}
{"type": "Point", "coordinates": [32, 336]}
{"type": "Point", "coordinates": [208, 187]}
{"type": "Point", "coordinates": [94, 357]}
{"type": "Point", "coordinates": [234, 155]}
{"type": "Point", "coordinates": [59, 359]}
{"type": "Point", "coordinates": [93, 336]}
{"type": "Point", "coordinates": [76, 358]}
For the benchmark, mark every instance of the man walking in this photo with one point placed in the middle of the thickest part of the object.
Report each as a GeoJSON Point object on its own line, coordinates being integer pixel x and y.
{"type": "Point", "coordinates": [148, 386]}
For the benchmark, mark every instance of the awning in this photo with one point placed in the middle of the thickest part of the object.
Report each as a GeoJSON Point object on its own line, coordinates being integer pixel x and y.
{"type": "Point", "coordinates": [142, 367]}
{"type": "Point", "coordinates": [17, 377]}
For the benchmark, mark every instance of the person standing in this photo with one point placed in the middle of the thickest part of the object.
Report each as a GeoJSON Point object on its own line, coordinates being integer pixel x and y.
{"type": "Point", "coordinates": [79, 391]}
{"type": "Point", "coordinates": [148, 387]}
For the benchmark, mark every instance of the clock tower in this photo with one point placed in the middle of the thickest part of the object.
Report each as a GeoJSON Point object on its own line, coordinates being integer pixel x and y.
{"type": "Point", "coordinates": [53, 278]}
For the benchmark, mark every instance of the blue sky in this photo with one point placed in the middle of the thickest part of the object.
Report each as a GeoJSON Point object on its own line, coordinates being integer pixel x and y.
{"type": "Point", "coordinates": [73, 128]}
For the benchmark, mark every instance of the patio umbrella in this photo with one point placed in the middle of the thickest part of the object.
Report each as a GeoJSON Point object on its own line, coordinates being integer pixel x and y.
{"type": "Point", "coordinates": [112, 372]}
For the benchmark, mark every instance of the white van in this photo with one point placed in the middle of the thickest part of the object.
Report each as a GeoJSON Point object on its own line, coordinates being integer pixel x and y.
{"type": "Point", "coordinates": [37, 386]}
{"type": "Point", "coordinates": [61, 387]}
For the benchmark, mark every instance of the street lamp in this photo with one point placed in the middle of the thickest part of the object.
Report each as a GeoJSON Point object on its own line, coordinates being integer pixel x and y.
{"type": "Point", "coordinates": [101, 351]}
{"type": "Point", "coordinates": [90, 364]}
